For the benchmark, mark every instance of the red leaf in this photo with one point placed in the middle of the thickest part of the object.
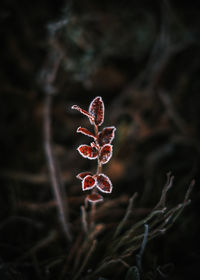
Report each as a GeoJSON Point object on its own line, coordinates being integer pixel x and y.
{"type": "Point", "coordinates": [82, 175]}
{"type": "Point", "coordinates": [94, 197]}
{"type": "Point", "coordinates": [103, 183]}
{"type": "Point", "coordinates": [106, 153]}
{"type": "Point", "coordinates": [106, 135]}
{"type": "Point", "coordinates": [87, 151]}
{"type": "Point", "coordinates": [76, 107]}
{"type": "Point", "coordinates": [96, 109]}
{"type": "Point", "coordinates": [88, 183]}
{"type": "Point", "coordinates": [85, 132]}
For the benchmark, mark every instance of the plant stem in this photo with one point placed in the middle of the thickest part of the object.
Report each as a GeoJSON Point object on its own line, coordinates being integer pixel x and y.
{"type": "Point", "coordinates": [99, 165]}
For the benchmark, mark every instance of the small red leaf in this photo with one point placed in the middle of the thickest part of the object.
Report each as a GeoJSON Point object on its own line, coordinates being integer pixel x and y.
{"type": "Point", "coordinates": [76, 107]}
{"type": "Point", "coordinates": [103, 183]}
{"type": "Point", "coordinates": [105, 153]}
{"type": "Point", "coordinates": [85, 132]}
{"type": "Point", "coordinates": [96, 109]}
{"type": "Point", "coordinates": [82, 175]}
{"type": "Point", "coordinates": [94, 197]}
{"type": "Point", "coordinates": [106, 135]}
{"type": "Point", "coordinates": [88, 183]}
{"type": "Point", "coordinates": [88, 151]}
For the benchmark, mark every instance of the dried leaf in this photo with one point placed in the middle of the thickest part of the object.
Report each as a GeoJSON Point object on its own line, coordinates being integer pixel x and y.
{"type": "Point", "coordinates": [96, 109]}
{"type": "Point", "coordinates": [105, 153]}
{"type": "Point", "coordinates": [88, 151]}
{"type": "Point", "coordinates": [106, 135]}
{"type": "Point", "coordinates": [94, 197]}
{"type": "Point", "coordinates": [103, 183]}
{"type": "Point", "coordinates": [85, 132]}
{"type": "Point", "coordinates": [88, 183]}
{"type": "Point", "coordinates": [82, 175]}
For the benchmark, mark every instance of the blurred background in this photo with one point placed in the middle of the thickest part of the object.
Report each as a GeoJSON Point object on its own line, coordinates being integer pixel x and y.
{"type": "Point", "coordinates": [142, 57]}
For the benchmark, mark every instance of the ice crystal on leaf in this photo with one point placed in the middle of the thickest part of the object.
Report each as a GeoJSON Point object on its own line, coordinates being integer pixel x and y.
{"type": "Point", "coordinates": [104, 184]}
{"type": "Point", "coordinates": [88, 151]}
{"type": "Point", "coordinates": [105, 153]}
{"type": "Point", "coordinates": [88, 183]}
{"type": "Point", "coordinates": [106, 135]}
{"type": "Point", "coordinates": [96, 109]}
{"type": "Point", "coordinates": [100, 149]}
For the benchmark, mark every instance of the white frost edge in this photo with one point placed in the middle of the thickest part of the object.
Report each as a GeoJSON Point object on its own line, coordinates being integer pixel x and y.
{"type": "Point", "coordinates": [83, 154]}
{"type": "Point", "coordinates": [89, 187]}
{"type": "Point", "coordinates": [85, 133]}
{"type": "Point", "coordinates": [111, 153]}
{"type": "Point", "coordinates": [111, 186]}
{"type": "Point", "coordinates": [89, 110]}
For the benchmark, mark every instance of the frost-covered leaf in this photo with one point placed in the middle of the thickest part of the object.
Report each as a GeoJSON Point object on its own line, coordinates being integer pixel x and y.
{"type": "Point", "coordinates": [105, 153]}
{"type": "Point", "coordinates": [103, 183]}
{"type": "Point", "coordinates": [82, 175]}
{"type": "Point", "coordinates": [106, 135]}
{"type": "Point", "coordinates": [82, 111]}
{"type": "Point", "coordinates": [88, 151]}
{"type": "Point", "coordinates": [85, 132]}
{"type": "Point", "coordinates": [96, 109]}
{"type": "Point", "coordinates": [88, 183]}
{"type": "Point", "coordinates": [94, 197]}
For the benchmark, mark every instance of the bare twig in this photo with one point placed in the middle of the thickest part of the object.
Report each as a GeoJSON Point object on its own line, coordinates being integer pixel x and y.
{"type": "Point", "coordinates": [144, 242]}
{"type": "Point", "coordinates": [106, 264]}
{"type": "Point", "coordinates": [168, 185]}
{"type": "Point", "coordinates": [84, 220]}
{"type": "Point", "coordinates": [51, 165]}
{"type": "Point", "coordinates": [126, 216]}
{"type": "Point", "coordinates": [189, 190]}
{"type": "Point", "coordinates": [86, 259]}
{"type": "Point", "coordinates": [47, 77]}
{"type": "Point", "coordinates": [172, 112]}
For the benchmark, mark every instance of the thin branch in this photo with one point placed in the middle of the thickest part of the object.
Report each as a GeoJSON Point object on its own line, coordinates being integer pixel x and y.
{"type": "Point", "coordinates": [144, 242]}
{"type": "Point", "coordinates": [172, 113]}
{"type": "Point", "coordinates": [86, 259]}
{"type": "Point", "coordinates": [51, 166]}
{"type": "Point", "coordinates": [84, 219]}
{"type": "Point", "coordinates": [189, 190]}
{"type": "Point", "coordinates": [168, 185]}
{"type": "Point", "coordinates": [126, 216]}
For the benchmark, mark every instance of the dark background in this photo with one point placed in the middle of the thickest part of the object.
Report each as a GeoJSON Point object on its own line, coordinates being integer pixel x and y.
{"type": "Point", "coordinates": [142, 57]}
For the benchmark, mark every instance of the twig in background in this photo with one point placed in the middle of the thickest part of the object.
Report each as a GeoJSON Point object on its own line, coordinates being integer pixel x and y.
{"type": "Point", "coordinates": [166, 188]}
{"type": "Point", "coordinates": [84, 219]}
{"type": "Point", "coordinates": [47, 77]}
{"type": "Point", "coordinates": [144, 242]}
{"type": "Point", "coordinates": [69, 258]}
{"type": "Point", "coordinates": [172, 112]}
{"type": "Point", "coordinates": [127, 214]}
{"type": "Point", "coordinates": [159, 221]}
{"type": "Point", "coordinates": [52, 168]}
{"type": "Point", "coordinates": [86, 259]}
